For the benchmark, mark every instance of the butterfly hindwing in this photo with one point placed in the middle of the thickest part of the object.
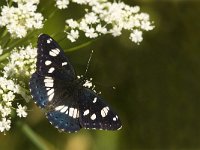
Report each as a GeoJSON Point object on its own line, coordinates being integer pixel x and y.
{"type": "Point", "coordinates": [38, 90]}
{"type": "Point", "coordinates": [61, 119]}
{"type": "Point", "coordinates": [95, 114]}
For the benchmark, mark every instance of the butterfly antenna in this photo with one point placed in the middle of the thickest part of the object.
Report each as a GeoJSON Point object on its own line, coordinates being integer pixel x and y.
{"type": "Point", "coordinates": [88, 63]}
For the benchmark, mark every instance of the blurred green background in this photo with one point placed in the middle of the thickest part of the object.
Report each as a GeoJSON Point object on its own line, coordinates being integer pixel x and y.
{"type": "Point", "coordinates": [157, 83]}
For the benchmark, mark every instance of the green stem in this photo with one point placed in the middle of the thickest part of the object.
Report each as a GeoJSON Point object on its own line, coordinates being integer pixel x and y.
{"type": "Point", "coordinates": [52, 14]}
{"type": "Point", "coordinates": [4, 33]}
{"type": "Point", "coordinates": [79, 46]}
{"type": "Point", "coordinates": [4, 56]}
{"type": "Point", "coordinates": [35, 138]}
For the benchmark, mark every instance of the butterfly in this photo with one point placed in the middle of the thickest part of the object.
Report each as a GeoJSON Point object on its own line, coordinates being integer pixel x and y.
{"type": "Point", "coordinates": [55, 88]}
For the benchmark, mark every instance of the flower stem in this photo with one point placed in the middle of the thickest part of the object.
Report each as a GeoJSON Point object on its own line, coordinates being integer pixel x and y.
{"type": "Point", "coordinates": [35, 138]}
{"type": "Point", "coordinates": [4, 56]}
{"type": "Point", "coordinates": [79, 46]}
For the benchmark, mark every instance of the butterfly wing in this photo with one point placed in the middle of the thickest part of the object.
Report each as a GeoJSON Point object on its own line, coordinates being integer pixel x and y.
{"type": "Point", "coordinates": [95, 113]}
{"type": "Point", "coordinates": [65, 116]}
{"type": "Point", "coordinates": [51, 60]}
{"type": "Point", "coordinates": [52, 70]}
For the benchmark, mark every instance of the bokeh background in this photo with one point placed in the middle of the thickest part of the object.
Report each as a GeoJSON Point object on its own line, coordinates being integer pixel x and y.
{"type": "Point", "coordinates": [157, 83]}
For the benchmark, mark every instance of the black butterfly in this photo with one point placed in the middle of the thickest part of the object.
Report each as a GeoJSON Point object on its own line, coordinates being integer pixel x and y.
{"type": "Point", "coordinates": [69, 106]}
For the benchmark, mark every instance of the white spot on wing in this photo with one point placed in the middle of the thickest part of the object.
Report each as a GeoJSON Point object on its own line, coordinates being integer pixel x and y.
{"type": "Point", "coordinates": [51, 70]}
{"type": "Point", "coordinates": [93, 117]}
{"type": "Point", "coordinates": [47, 62]}
{"type": "Point", "coordinates": [104, 111]}
{"type": "Point", "coordinates": [75, 114]}
{"type": "Point", "coordinates": [49, 84]}
{"type": "Point", "coordinates": [48, 80]}
{"type": "Point", "coordinates": [64, 109]}
{"type": "Point", "coordinates": [50, 92]}
{"type": "Point", "coordinates": [95, 99]}
{"type": "Point", "coordinates": [71, 110]}
{"type": "Point", "coordinates": [64, 63]}
{"type": "Point", "coordinates": [119, 128]}
{"type": "Point", "coordinates": [51, 97]}
{"type": "Point", "coordinates": [114, 119]}
{"type": "Point", "coordinates": [86, 112]}
{"type": "Point", "coordinates": [49, 41]}
{"type": "Point", "coordinates": [52, 54]}
{"type": "Point", "coordinates": [59, 107]}
{"type": "Point", "coordinates": [48, 89]}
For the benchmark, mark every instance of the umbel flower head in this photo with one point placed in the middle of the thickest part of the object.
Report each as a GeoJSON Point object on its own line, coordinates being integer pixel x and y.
{"type": "Point", "coordinates": [108, 18]}
{"type": "Point", "coordinates": [8, 91]}
{"type": "Point", "coordinates": [20, 66]}
{"type": "Point", "coordinates": [19, 20]}
{"type": "Point", "coordinates": [21, 62]}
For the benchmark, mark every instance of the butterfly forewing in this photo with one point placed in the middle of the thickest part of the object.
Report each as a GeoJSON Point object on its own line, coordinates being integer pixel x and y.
{"type": "Point", "coordinates": [69, 106]}
{"type": "Point", "coordinates": [51, 60]}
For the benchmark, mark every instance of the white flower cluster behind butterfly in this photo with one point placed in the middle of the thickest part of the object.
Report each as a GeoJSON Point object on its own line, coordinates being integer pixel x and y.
{"type": "Point", "coordinates": [8, 92]}
{"type": "Point", "coordinates": [105, 17]}
{"type": "Point", "coordinates": [21, 63]}
{"type": "Point", "coordinates": [19, 20]}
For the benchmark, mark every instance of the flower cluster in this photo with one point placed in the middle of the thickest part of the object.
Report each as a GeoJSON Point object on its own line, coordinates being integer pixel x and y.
{"type": "Point", "coordinates": [107, 18]}
{"type": "Point", "coordinates": [19, 20]}
{"type": "Point", "coordinates": [8, 92]}
{"type": "Point", "coordinates": [21, 65]}
{"type": "Point", "coordinates": [27, 1]}
{"type": "Point", "coordinates": [21, 62]}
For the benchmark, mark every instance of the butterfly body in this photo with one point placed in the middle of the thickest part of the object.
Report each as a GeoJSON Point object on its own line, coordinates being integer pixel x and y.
{"type": "Point", "coordinates": [69, 106]}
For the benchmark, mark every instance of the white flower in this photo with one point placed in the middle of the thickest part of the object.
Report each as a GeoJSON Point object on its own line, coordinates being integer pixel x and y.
{"type": "Point", "coordinates": [73, 35]}
{"type": "Point", "coordinates": [101, 29]}
{"type": "Point", "coordinates": [19, 20]}
{"type": "Point", "coordinates": [91, 18]}
{"type": "Point", "coordinates": [8, 97]}
{"type": "Point", "coordinates": [62, 4]}
{"type": "Point", "coordinates": [116, 31]}
{"type": "Point", "coordinates": [136, 36]}
{"type": "Point", "coordinates": [5, 111]}
{"type": "Point", "coordinates": [4, 125]}
{"type": "Point", "coordinates": [21, 111]}
{"type": "Point", "coordinates": [72, 23]}
{"type": "Point", "coordinates": [90, 33]}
